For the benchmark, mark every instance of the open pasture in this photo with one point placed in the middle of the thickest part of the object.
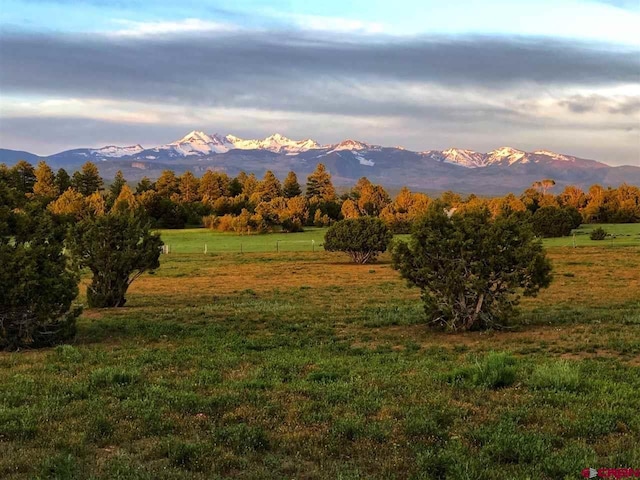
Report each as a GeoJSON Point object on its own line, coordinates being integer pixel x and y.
{"type": "Point", "coordinates": [301, 365]}
{"type": "Point", "coordinates": [194, 240]}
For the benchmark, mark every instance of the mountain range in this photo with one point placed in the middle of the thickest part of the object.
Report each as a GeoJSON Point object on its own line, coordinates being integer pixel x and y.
{"type": "Point", "coordinates": [497, 172]}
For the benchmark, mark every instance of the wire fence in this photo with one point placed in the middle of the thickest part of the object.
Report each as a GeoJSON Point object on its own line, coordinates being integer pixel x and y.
{"type": "Point", "coordinates": [275, 246]}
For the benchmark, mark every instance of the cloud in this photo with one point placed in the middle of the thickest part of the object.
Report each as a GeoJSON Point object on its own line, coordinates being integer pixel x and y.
{"type": "Point", "coordinates": [581, 104]}
{"type": "Point", "coordinates": [188, 25]}
{"type": "Point", "coordinates": [424, 92]}
{"type": "Point", "coordinates": [215, 68]}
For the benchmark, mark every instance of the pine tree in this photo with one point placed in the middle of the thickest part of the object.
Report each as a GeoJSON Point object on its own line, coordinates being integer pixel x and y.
{"type": "Point", "coordinates": [45, 186]}
{"type": "Point", "coordinates": [24, 177]}
{"type": "Point", "coordinates": [319, 184]}
{"type": "Point", "coordinates": [167, 184]}
{"type": "Point", "coordinates": [62, 181]}
{"type": "Point", "coordinates": [87, 180]}
{"type": "Point", "coordinates": [118, 182]}
{"type": "Point", "coordinates": [117, 248]}
{"type": "Point", "coordinates": [268, 189]}
{"type": "Point", "coordinates": [213, 185]}
{"type": "Point", "coordinates": [249, 184]}
{"type": "Point", "coordinates": [291, 187]}
{"type": "Point", "coordinates": [126, 200]}
{"type": "Point", "coordinates": [188, 186]}
{"type": "Point", "coordinates": [144, 185]}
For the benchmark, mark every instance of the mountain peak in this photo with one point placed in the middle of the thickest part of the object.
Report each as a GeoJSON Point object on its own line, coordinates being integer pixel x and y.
{"type": "Point", "coordinates": [350, 144]}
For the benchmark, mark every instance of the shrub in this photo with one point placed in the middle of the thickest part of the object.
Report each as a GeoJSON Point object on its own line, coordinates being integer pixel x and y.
{"type": "Point", "coordinates": [553, 222]}
{"type": "Point", "coordinates": [472, 269]}
{"type": "Point", "coordinates": [37, 287]}
{"type": "Point", "coordinates": [117, 248]}
{"type": "Point", "coordinates": [361, 238]}
{"type": "Point", "coordinates": [598, 233]}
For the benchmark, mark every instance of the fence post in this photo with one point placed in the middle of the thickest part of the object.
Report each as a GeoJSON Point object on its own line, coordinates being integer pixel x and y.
{"type": "Point", "coordinates": [205, 248]}
{"type": "Point", "coordinates": [240, 247]}
{"type": "Point", "coordinates": [313, 245]}
{"type": "Point", "coordinates": [278, 246]}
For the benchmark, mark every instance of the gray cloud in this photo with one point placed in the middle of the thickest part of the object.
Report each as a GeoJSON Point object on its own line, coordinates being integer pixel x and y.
{"type": "Point", "coordinates": [242, 69]}
{"type": "Point", "coordinates": [367, 86]}
{"type": "Point", "coordinates": [599, 103]}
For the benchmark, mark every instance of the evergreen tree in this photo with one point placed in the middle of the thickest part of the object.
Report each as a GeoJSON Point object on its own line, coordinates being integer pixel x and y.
{"type": "Point", "coordinates": [167, 184]}
{"type": "Point", "coordinates": [118, 182]}
{"type": "Point", "coordinates": [188, 186]}
{"type": "Point", "coordinates": [144, 185]}
{"type": "Point", "coordinates": [235, 187]}
{"type": "Point", "coordinates": [87, 180]}
{"type": "Point", "coordinates": [62, 181]}
{"type": "Point", "coordinates": [291, 187]}
{"type": "Point", "coordinates": [45, 186]}
{"type": "Point", "coordinates": [249, 185]}
{"type": "Point", "coordinates": [471, 269]}
{"type": "Point", "coordinates": [268, 189]}
{"type": "Point", "coordinates": [213, 185]}
{"type": "Point", "coordinates": [117, 248]}
{"type": "Point", "coordinates": [319, 185]}
{"type": "Point", "coordinates": [37, 287]}
{"type": "Point", "coordinates": [24, 177]}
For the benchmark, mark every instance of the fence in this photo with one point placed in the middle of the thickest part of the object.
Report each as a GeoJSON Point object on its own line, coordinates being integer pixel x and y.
{"type": "Point", "coordinates": [274, 246]}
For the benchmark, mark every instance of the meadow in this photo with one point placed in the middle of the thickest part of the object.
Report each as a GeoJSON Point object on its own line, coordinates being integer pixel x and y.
{"type": "Point", "coordinates": [298, 364]}
{"type": "Point", "coordinates": [194, 240]}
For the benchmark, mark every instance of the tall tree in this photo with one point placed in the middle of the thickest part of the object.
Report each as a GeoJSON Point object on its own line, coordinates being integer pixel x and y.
{"type": "Point", "coordinates": [167, 184]}
{"type": "Point", "coordinates": [24, 177]}
{"type": "Point", "coordinates": [118, 182]}
{"type": "Point", "coordinates": [144, 185]}
{"type": "Point", "coordinates": [87, 180]}
{"type": "Point", "coordinates": [213, 185]}
{"type": "Point", "coordinates": [319, 185]}
{"type": "Point", "coordinates": [371, 199]}
{"type": "Point", "coordinates": [45, 186]}
{"type": "Point", "coordinates": [268, 189]}
{"type": "Point", "coordinates": [63, 181]}
{"type": "Point", "coordinates": [249, 184]}
{"type": "Point", "coordinates": [291, 187]}
{"type": "Point", "coordinates": [188, 186]}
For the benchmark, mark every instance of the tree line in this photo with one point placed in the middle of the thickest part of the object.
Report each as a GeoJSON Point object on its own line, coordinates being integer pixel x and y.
{"type": "Point", "coordinates": [246, 204]}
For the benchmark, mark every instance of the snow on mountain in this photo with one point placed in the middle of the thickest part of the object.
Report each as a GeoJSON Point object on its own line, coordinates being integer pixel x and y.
{"type": "Point", "coordinates": [113, 151]}
{"type": "Point", "coordinates": [363, 161]}
{"type": "Point", "coordinates": [466, 158]}
{"type": "Point", "coordinates": [555, 156]}
{"type": "Point", "coordinates": [506, 156]}
{"type": "Point", "coordinates": [350, 145]}
{"type": "Point", "coordinates": [275, 143]}
{"type": "Point", "coordinates": [198, 143]}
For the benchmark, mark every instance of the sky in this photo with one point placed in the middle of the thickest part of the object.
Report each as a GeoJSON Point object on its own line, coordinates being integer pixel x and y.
{"type": "Point", "coordinates": [561, 75]}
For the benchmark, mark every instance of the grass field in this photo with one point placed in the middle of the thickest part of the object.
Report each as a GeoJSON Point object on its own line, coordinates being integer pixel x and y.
{"type": "Point", "coordinates": [194, 240]}
{"type": "Point", "coordinates": [301, 365]}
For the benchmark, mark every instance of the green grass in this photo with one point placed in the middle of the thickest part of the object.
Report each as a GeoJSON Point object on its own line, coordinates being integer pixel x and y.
{"type": "Point", "coordinates": [621, 234]}
{"type": "Point", "coordinates": [194, 240]}
{"type": "Point", "coordinates": [301, 365]}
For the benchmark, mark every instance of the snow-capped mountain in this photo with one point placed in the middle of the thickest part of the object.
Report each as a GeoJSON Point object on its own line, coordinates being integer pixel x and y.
{"type": "Point", "coordinates": [499, 171]}
{"type": "Point", "coordinates": [350, 145]}
{"type": "Point", "coordinates": [113, 151]}
{"type": "Point", "coordinates": [275, 143]}
{"type": "Point", "coordinates": [458, 156]}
